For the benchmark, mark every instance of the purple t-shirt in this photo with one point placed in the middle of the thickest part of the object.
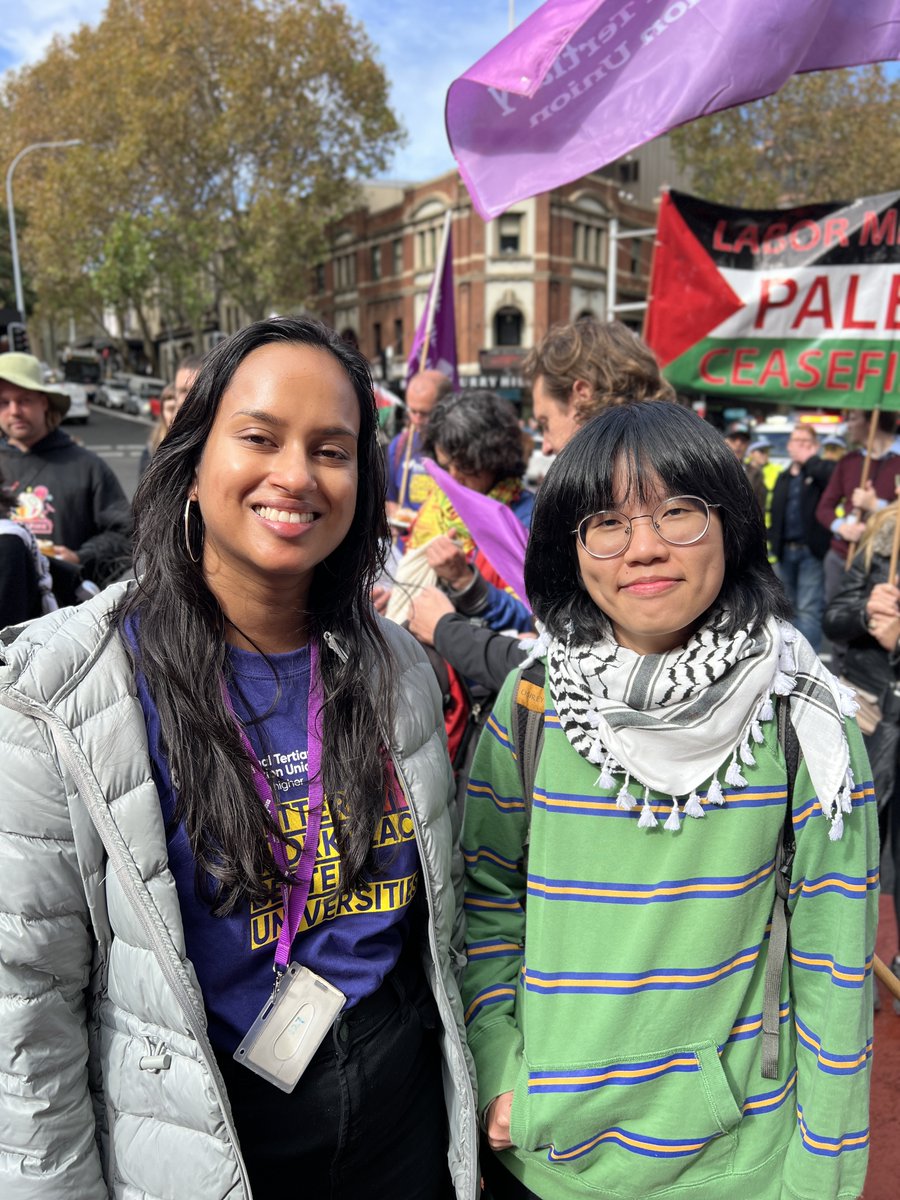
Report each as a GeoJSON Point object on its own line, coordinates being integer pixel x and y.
{"type": "Point", "coordinates": [351, 939]}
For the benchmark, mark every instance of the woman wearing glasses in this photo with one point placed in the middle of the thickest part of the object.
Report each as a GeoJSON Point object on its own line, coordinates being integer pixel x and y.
{"type": "Point", "coordinates": [619, 917]}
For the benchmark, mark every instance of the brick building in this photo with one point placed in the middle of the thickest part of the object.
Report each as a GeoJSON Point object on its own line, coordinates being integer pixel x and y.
{"type": "Point", "coordinates": [545, 260]}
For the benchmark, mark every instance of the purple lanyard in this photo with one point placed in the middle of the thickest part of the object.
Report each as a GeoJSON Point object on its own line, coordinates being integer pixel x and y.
{"type": "Point", "coordinates": [295, 894]}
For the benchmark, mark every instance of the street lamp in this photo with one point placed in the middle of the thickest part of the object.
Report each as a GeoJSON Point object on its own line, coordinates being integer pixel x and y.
{"type": "Point", "coordinates": [13, 244]}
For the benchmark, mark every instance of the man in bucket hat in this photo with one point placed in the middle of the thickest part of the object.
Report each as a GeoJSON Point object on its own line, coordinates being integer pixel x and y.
{"type": "Point", "coordinates": [67, 496]}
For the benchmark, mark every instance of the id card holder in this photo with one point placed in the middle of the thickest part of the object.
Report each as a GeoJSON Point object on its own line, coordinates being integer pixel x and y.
{"type": "Point", "coordinates": [291, 1027]}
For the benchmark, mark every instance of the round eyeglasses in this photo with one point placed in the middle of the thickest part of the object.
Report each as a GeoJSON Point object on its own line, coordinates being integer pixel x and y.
{"type": "Point", "coordinates": [680, 521]}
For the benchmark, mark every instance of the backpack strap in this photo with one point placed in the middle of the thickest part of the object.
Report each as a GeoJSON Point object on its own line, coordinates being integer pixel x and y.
{"type": "Point", "coordinates": [777, 952]}
{"type": "Point", "coordinates": [527, 728]}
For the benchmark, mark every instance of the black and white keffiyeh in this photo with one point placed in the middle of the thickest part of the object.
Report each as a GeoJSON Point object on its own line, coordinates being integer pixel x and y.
{"type": "Point", "coordinates": [673, 721]}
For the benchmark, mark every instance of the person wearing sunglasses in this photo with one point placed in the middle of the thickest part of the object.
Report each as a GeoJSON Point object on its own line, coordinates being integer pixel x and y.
{"type": "Point", "coordinates": [631, 1035]}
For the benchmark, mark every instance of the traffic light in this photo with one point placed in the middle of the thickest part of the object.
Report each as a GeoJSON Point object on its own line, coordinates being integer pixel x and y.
{"type": "Point", "coordinates": [18, 337]}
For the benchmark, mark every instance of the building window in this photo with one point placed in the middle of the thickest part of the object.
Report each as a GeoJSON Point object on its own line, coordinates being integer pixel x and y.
{"type": "Point", "coordinates": [376, 262]}
{"type": "Point", "coordinates": [320, 278]}
{"type": "Point", "coordinates": [426, 249]}
{"type": "Point", "coordinates": [397, 255]}
{"type": "Point", "coordinates": [376, 337]}
{"type": "Point", "coordinates": [635, 259]}
{"type": "Point", "coordinates": [398, 336]}
{"type": "Point", "coordinates": [629, 171]}
{"type": "Point", "coordinates": [588, 243]}
{"type": "Point", "coordinates": [345, 272]}
{"type": "Point", "coordinates": [508, 327]}
{"type": "Point", "coordinates": [509, 232]}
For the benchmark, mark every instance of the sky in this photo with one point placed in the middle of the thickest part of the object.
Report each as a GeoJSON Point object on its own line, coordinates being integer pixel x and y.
{"type": "Point", "coordinates": [422, 44]}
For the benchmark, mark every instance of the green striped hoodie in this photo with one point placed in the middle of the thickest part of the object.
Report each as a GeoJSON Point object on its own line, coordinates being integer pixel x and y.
{"type": "Point", "coordinates": [625, 1010]}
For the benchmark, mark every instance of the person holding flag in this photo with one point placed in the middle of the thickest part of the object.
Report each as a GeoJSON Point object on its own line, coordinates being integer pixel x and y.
{"type": "Point", "coordinates": [408, 484]}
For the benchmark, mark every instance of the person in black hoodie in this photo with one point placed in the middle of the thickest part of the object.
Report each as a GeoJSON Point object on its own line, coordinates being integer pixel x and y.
{"type": "Point", "coordinates": [799, 543]}
{"type": "Point", "coordinates": [67, 496]}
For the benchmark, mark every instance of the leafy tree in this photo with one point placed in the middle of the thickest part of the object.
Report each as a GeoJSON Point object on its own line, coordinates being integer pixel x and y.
{"type": "Point", "coordinates": [831, 135]}
{"type": "Point", "coordinates": [221, 139]}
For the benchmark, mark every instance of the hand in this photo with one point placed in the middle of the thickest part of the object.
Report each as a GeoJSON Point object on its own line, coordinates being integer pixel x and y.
{"type": "Point", "coordinates": [885, 631]}
{"type": "Point", "coordinates": [864, 499]}
{"type": "Point", "coordinates": [496, 1122]}
{"type": "Point", "coordinates": [883, 601]}
{"type": "Point", "coordinates": [380, 597]}
{"type": "Point", "coordinates": [427, 609]}
{"type": "Point", "coordinates": [447, 557]}
{"type": "Point", "coordinates": [66, 555]}
{"type": "Point", "coordinates": [851, 531]}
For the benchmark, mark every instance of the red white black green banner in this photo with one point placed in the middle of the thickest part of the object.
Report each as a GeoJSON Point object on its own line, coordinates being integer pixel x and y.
{"type": "Point", "coordinates": [798, 306]}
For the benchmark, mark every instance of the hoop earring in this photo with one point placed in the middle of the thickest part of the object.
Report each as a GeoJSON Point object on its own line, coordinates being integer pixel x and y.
{"type": "Point", "coordinates": [187, 533]}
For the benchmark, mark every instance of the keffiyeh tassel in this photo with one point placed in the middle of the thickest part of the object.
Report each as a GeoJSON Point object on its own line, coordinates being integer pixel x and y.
{"type": "Point", "coordinates": [756, 732]}
{"type": "Point", "coordinates": [714, 793]}
{"type": "Point", "coordinates": [648, 817]}
{"type": "Point", "coordinates": [733, 776]}
{"type": "Point", "coordinates": [836, 832]}
{"type": "Point", "coordinates": [747, 754]}
{"type": "Point", "coordinates": [693, 807]}
{"type": "Point", "coordinates": [625, 800]}
{"type": "Point", "coordinates": [673, 822]}
{"type": "Point", "coordinates": [766, 710]}
{"type": "Point", "coordinates": [847, 698]}
{"type": "Point", "coordinates": [606, 779]}
{"type": "Point", "coordinates": [783, 685]}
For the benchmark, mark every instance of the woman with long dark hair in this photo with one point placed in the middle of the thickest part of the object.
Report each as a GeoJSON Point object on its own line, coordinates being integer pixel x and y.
{"type": "Point", "coordinates": [647, 1013]}
{"type": "Point", "coordinates": [227, 842]}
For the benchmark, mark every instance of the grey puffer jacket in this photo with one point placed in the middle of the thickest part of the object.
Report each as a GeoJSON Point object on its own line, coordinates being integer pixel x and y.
{"type": "Point", "coordinates": [108, 1083]}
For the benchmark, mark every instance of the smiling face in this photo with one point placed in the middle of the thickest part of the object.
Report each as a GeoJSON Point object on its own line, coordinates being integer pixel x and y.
{"type": "Point", "coordinates": [277, 480]}
{"type": "Point", "coordinates": [655, 595]}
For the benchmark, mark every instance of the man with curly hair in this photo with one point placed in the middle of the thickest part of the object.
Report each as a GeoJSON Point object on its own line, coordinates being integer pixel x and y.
{"type": "Point", "coordinates": [576, 370]}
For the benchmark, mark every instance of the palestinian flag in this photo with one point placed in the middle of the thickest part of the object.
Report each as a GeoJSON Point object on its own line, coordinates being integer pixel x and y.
{"type": "Point", "coordinates": [795, 306]}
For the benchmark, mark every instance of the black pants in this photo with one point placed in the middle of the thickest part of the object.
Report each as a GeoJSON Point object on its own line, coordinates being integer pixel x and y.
{"type": "Point", "coordinates": [368, 1116]}
{"type": "Point", "coordinates": [500, 1184]}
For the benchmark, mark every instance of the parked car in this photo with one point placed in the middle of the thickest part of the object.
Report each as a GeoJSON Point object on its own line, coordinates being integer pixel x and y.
{"type": "Point", "coordinates": [112, 393]}
{"type": "Point", "coordinates": [145, 391]}
{"type": "Point", "coordinates": [79, 412]}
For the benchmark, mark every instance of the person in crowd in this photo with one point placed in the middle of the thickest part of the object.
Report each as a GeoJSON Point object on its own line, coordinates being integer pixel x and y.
{"type": "Point", "coordinates": [755, 470]}
{"type": "Point", "coordinates": [799, 543]}
{"type": "Point", "coordinates": [855, 502]}
{"type": "Point", "coordinates": [168, 406]}
{"type": "Point", "coordinates": [865, 615]}
{"type": "Point", "coordinates": [185, 375]}
{"type": "Point", "coordinates": [833, 448]}
{"type": "Point", "coordinates": [619, 909]}
{"type": "Point", "coordinates": [475, 437]}
{"type": "Point", "coordinates": [577, 369]}
{"type": "Point", "coordinates": [408, 484]}
{"type": "Point", "coordinates": [26, 588]}
{"type": "Point", "coordinates": [738, 436]}
{"type": "Point", "coordinates": [67, 496]}
{"type": "Point", "coordinates": [227, 767]}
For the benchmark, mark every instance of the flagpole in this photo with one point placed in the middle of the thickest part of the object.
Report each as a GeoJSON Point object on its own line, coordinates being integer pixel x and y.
{"type": "Point", "coordinates": [856, 513]}
{"type": "Point", "coordinates": [423, 357]}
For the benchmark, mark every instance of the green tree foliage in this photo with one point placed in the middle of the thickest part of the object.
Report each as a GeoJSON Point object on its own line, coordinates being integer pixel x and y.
{"type": "Point", "coordinates": [832, 135]}
{"type": "Point", "coordinates": [221, 138]}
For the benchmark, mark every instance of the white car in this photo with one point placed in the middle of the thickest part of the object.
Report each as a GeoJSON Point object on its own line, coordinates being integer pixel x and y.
{"type": "Point", "coordinates": [78, 405]}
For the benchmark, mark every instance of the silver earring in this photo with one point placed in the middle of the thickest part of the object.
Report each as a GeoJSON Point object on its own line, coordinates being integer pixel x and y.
{"type": "Point", "coordinates": [187, 532]}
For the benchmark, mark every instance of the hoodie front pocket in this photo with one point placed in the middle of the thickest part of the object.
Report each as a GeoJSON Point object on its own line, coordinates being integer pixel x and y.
{"type": "Point", "coordinates": [674, 1107]}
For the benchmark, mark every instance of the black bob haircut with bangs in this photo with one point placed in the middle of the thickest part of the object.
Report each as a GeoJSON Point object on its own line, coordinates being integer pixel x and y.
{"type": "Point", "coordinates": [649, 441]}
